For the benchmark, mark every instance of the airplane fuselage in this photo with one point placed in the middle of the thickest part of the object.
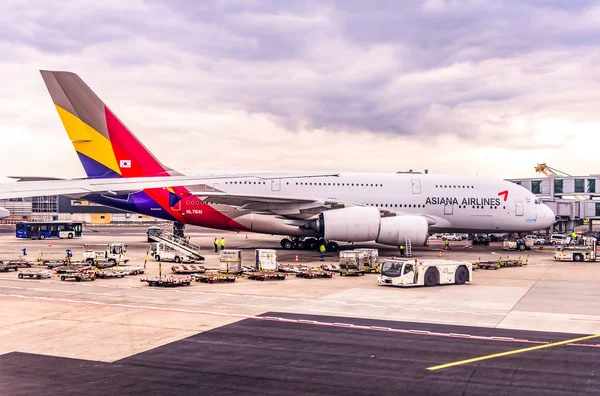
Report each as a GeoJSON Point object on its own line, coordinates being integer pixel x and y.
{"type": "Point", "coordinates": [450, 203]}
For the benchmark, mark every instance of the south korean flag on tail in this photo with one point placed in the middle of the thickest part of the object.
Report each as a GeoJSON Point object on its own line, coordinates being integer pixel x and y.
{"type": "Point", "coordinates": [125, 164]}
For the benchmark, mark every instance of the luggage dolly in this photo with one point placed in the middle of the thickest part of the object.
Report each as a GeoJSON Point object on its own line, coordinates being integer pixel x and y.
{"type": "Point", "coordinates": [212, 278]}
{"type": "Point", "coordinates": [37, 274]}
{"type": "Point", "coordinates": [78, 276]}
{"type": "Point", "coordinates": [488, 264]}
{"type": "Point", "coordinates": [261, 276]}
{"type": "Point", "coordinates": [310, 274]}
{"type": "Point", "coordinates": [167, 282]}
{"type": "Point", "coordinates": [515, 263]}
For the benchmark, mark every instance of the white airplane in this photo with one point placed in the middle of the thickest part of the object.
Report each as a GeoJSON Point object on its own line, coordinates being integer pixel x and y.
{"type": "Point", "coordinates": [307, 208]}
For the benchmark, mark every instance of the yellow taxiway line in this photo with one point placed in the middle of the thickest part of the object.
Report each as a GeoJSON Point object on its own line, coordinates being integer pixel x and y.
{"type": "Point", "coordinates": [513, 352]}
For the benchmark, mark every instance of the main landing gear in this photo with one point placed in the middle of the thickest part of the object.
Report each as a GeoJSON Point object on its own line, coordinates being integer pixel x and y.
{"type": "Point", "coordinates": [299, 243]}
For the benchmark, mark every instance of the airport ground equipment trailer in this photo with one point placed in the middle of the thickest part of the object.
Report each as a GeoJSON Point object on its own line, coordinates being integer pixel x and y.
{"type": "Point", "coordinates": [108, 254]}
{"type": "Point", "coordinates": [518, 244]}
{"type": "Point", "coordinates": [110, 273]}
{"type": "Point", "coordinates": [350, 263]}
{"type": "Point", "coordinates": [6, 266]}
{"type": "Point", "coordinates": [188, 269]}
{"type": "Point", "coordinates": [332, 267]}
{"type": "Point", "coordinates": [132, 270]}
{"type": "Point", "coordinates": [583, 249]}
{"type": "Point", "coordinates": [230, 261]}
{"type": "Point", "coordinates": [214, 277]}
{"type": "Point", "coordinates": [70, 269]}
{"type": "Point", "coordinates": [35, 274]}
{"type": "Point", "coordinates": [78, 276]}
{"type": "Point", "coordinates": [314, 273]}
{"type": "Point", "coordinates": [177, 243]}
{"type": "Point", "coordinates": [490, 264]}
{"type": "Point", "coordinates": [424, 272]}
{"type": "Point", "coordinates": [369, 258]}
{"type": "Point", "coordinates": [165, 281]}
{"type": "Point", "coordinates": [266, 275]}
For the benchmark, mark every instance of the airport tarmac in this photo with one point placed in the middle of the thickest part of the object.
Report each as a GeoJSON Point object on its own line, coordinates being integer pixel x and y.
{"type": "Point", "coordinates": [253, 337]}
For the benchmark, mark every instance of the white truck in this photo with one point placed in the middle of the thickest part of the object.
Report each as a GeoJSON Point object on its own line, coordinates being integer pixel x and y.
{"type": "Point", "coordinates": [424, 272]}
{"type": "Point", "coordinates": [112, 253]}
{"type": "Point", "coordinates": [583, 249]}
{"type": "Point", "coordinates": [165, 253]}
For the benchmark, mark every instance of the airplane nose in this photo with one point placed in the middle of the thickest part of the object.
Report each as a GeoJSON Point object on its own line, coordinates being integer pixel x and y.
{"type": "Point", "coordinates": [4, 213]}
{"type": "Point", "coordinates": [547, 216]}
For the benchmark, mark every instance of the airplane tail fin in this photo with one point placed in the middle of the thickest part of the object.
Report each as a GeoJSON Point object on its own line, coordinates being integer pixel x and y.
{"type": "Point", "coordinates": [106, 148]}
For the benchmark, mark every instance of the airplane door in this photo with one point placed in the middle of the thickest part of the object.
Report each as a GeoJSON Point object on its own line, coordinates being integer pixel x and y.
{"type": "Point", "coordinates": [276, 185]}
{"type": "Point", "coordinates": [448, 209]}
{"type": "Point", "coordinates": [519, 208]}
{"type": "Point", "coordinates": [416, 186]}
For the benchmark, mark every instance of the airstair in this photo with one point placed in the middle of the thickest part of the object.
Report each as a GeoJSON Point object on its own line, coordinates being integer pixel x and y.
{"type": "Point", "coordinates": [180, 244]}
{"type": "Point", "coordinates": [408, 245]}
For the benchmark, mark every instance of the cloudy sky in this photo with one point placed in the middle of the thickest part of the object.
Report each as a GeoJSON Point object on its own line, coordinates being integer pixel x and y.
{"type": "Point", "coordinates": [473, 87]}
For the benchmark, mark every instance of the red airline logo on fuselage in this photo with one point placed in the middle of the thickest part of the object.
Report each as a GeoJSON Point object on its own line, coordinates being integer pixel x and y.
{"type": "Point", "coordinates": [505, 193]}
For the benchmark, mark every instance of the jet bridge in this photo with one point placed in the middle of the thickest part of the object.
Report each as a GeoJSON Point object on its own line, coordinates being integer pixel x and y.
{"type": "Point", "coordinates": [180, 244]}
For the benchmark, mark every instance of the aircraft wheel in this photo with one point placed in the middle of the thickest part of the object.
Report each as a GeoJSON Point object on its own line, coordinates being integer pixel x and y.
{"type": "Point", "coordinates": [300, 245]}
{"type": "Point", "coordinates": [332, 247]}
{"type": "Point", "coordinates": [310, 244]}
{"type": "Point", "coordinates": [286, 244]}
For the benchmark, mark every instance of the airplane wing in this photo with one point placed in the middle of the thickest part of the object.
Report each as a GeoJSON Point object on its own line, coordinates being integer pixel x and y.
{"type": "Point", "coordinates": [289, 207]}
{"type": "Point", "coordinates": [76, 187]}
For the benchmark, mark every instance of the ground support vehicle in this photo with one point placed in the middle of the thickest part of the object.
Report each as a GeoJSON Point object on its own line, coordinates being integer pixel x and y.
{"type": "Point", "coordinates": [78, 276]}
{"type": "Point", "coordinates": [350, 264]}
{"type": "Point", "coordinates": [35, 274]}
{"type": "Point", "coordinates": [424, 272]}
{"type": "Point", "coordinates": [188, 269]}
{"type": "Point", "coordinates": [110, 273]}
{"type": "Point", "coordinates": [132, 270]}
{"type": "Point", "coordinates": [518, 244]}
{"type": "Point", "coordinates": [492, 264]}
{"type": "Point", "coordinates": [332, 267]}
{"type": "Point", "coordinates": [70, 269]}
{"type": "Point", "coordinates": [5, 267]}
{"type": "Point", "coordinates": [213, 278]}
{"type": "Point", "coordinates": [369, 258]}
{"type": "Point", "coordinates": [480, 240]}
{"type": "Point", "coordinates": [285, 268]}
{"type": "Point", "coordinates": [537, 240]}
{"type": "Point", "coordinates": [583, 250]}
{"type": "Point", "coordinates": [163, 253]}
{"type": "Point", "coordinates": [167, 282]}
{"type": "Point", "coordinates": [312, 273]}
{"type": "Point", "coordinates": [109, 255]}
{"type": "Point", "coordinates": [174, 243]}
{"type": "Point", "coordinates": [266, 275]}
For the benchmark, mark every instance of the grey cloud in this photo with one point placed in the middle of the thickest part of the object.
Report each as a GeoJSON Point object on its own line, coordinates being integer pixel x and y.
{"type": "Point", "coordinates": [347, 65]}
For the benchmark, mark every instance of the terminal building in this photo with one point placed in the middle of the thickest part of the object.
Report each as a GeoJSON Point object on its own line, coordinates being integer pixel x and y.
{"type": "Point", "coordinates": [58, 207]}
{"type": "Point", "coordinates": [575, 200]}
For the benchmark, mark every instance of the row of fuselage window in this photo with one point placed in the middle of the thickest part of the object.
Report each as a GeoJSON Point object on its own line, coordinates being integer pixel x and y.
{"type": "Point", "coordinates": [422, 206]}
{"type": "Point", "coordinates": [314, 184]}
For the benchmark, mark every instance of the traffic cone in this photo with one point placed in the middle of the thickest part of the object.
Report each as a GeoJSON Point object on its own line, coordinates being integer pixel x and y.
{"type": "Point", "coordinates": [49, 244]}
{"type": "Point", "coordinates": [246, 236]}
{"type": "Point", "coordinates": [440, 254]}
{"type": "Point", "coordinates": [296, 258]}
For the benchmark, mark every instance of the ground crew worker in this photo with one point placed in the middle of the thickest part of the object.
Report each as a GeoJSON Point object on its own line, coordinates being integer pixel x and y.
{"type": "Point", "coordinates": [222, 243]}
{"type": "Point", "coordinates": [447, 244]}
{"type": "Point", "coordinates": [574, 235]}
{"type": "Point", "coordinates": [322, 249]}
{"type": "Point", "coordinates": [402, 250]}
{"type": "Point", "coordinates": [216, 245]}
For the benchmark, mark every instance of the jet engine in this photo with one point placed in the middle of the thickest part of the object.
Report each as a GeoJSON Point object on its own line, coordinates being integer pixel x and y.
{"type": "Point", "coordinates": [361, 224]}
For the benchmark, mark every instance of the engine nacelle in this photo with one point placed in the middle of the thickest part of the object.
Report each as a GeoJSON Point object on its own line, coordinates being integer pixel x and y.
{"type": "Point", "coordinates": [362, 224]}
{"type": "Point", "coordinates": [394, 230]}
{"type": "Point", "coordinates": [353, 224]}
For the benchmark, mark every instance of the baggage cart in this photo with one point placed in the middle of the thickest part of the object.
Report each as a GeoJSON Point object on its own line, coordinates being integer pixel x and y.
{"type": "Point", "coordinates": [314, 273]}
{"type": "Point", "coordinates": [350, 264]}
{"type": "Point", "coordinates": [266, 275]}
{"type": "Point", "coordinates": [214, 278]}
{"type": "Point", "coordinates": [35, 274]}
{"type": "Point", "coordinates": [188, 269]}
{"type": "Point", "coordinates": [78, 276]}
{"type": "Point", "coordinates": [167, 281]}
